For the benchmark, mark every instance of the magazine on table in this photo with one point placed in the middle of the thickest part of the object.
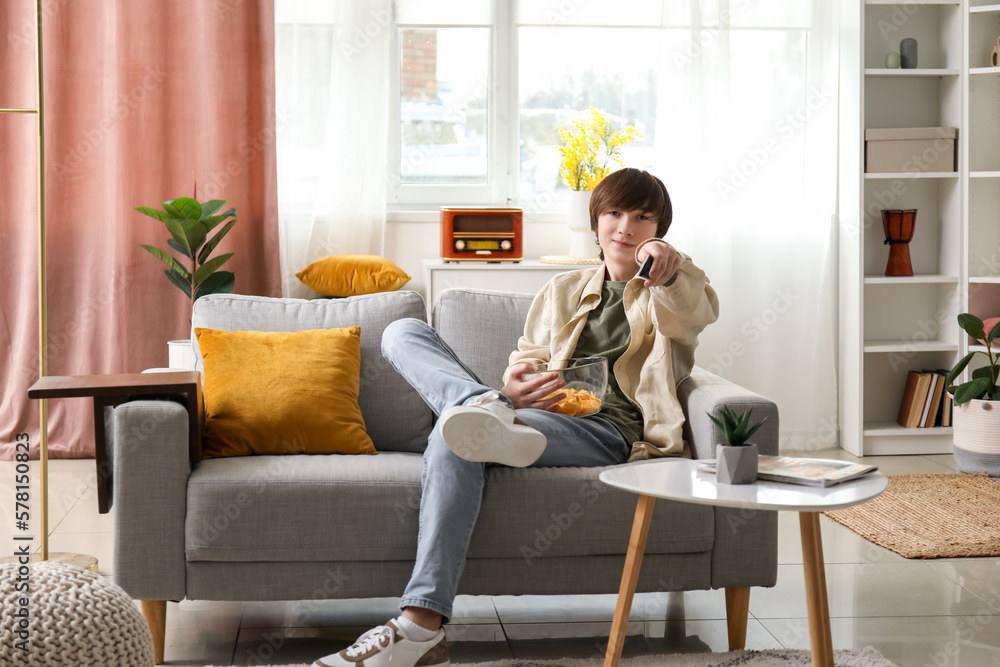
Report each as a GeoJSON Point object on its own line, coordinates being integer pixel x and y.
{"type": "Point", "coordinates": [810, 472]}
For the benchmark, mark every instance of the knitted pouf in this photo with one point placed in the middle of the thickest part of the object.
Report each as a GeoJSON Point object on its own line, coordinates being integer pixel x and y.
{"type": "Point", "coordinates": [74, 617]}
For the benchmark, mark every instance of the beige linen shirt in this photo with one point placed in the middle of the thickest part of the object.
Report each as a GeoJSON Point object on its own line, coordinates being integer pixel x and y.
{"type": "Point", "coordinates": [664, 323]}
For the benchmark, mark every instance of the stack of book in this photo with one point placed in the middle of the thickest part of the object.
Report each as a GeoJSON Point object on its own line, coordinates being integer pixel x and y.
{"type": "Point", "coordinates": [925, 402]}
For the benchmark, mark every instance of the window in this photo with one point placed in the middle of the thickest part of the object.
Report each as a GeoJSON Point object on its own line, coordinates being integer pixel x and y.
{"type": "Point", "coordinates": [483, 86]}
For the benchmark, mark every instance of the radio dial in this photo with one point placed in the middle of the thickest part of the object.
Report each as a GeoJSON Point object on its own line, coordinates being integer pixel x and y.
{"type": "Point", "coordinates": [505, 245]}
{"type": "Point", "coordinates": [460, 245]}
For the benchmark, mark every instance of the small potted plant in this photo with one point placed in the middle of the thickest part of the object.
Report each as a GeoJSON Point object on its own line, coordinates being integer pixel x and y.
{"type": "Point", "coordinates": [736, 460]}
{"type": "Point", "coordinates": [976, 416]}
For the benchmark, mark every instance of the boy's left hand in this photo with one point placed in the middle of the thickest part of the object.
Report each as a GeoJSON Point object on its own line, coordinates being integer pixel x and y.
{"type": "Point", "coordinates": [666, 261]}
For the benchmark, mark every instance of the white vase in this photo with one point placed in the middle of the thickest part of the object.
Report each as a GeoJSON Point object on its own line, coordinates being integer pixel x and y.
{"type": "Point", "coordinates": [583, 242]}
{"type": "Point", "coordinates": [977, 437]}
{"type": "Point", "coordinates": [180, 355]}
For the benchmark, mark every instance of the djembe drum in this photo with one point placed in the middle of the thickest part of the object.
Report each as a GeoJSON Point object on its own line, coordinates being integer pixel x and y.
{"type": "Point", "coordinates": [898, 227]}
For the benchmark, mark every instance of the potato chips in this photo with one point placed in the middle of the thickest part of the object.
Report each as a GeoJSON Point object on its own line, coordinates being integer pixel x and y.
{"type": "Point", "coordinates": [578, 403]}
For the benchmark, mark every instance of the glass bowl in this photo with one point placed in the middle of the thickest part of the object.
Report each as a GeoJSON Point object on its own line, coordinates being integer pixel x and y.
{"type": "Point", "coordinates": [586, 383]}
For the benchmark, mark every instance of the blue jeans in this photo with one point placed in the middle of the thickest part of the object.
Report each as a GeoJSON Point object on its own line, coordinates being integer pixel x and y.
{"type": "Point", "coordinates": [452, 488]}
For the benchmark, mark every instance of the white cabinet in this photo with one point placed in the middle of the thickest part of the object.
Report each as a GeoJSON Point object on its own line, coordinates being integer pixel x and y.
{"type": "Point", "coordinates": [527, 276]}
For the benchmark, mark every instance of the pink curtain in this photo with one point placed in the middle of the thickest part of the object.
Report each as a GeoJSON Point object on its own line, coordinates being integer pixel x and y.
{"type": "Point", "coordinates": [144, 100]}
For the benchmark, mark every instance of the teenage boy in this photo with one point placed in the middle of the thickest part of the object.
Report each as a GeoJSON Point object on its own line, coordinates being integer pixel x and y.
{"type": "Point", "coordinates": [647, 328]}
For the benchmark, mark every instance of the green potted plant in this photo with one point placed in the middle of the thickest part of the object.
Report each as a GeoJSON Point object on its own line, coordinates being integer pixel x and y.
{"type": "Point", "coordinates": [736, 460]}
{"type": "Point", "coordinates": [196, 272]}
{"type": "Point", "coordinates": [976, 417]}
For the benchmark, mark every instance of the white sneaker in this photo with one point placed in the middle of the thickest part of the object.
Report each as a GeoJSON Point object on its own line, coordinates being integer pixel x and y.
{"type": "Point", "coordinates": [485, 431]}
{"type": "Point", "coordinates": [388, 642]}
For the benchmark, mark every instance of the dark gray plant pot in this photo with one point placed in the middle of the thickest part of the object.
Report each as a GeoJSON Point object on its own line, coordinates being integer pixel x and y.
{"type": "Point", "coordinates": [736, 465]}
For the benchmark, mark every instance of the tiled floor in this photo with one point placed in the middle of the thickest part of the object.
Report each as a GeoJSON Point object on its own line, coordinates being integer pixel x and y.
{"type": "Point", "coordinates": [916, 613]}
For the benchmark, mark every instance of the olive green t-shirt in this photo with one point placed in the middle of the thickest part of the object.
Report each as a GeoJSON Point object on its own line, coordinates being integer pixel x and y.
{"type": "Point", "coordinates": [607, 334]}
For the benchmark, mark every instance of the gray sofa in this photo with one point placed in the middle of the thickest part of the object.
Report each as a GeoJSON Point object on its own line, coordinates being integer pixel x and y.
{"type": "Point", "coordinates": [304, 527]}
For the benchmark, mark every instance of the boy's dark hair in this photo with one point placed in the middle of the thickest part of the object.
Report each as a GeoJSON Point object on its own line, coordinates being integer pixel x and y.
{"type": "Point", "coordinates": [631, 189]}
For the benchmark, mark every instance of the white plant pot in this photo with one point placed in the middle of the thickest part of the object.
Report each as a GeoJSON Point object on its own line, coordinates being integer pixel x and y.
{"type": "Point", "coordinates": [180, 355]}
{"type": "Point", "coordinates": [977, 437]}
{"type": "Point", "coordinates": [583, 242]}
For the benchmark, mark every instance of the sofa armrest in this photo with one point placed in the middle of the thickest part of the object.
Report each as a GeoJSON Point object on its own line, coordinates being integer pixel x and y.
{"type": "Point", "coordinates": [703, 393]}
{"type": "Point", "coordinates": [150, 451]}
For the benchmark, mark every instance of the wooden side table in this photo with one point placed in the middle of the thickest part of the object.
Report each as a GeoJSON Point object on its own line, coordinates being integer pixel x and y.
{"type": "Point", "coordinates": [112, 390]}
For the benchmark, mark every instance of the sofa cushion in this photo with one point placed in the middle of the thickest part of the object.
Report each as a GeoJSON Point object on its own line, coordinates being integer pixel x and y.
{"type": "Point", "coordinates": [282, 392]}
{"type": "Point", "coordinates": [396, 417]}
{"type": "Point", "coordinates": [351, 275]}
{"type": "Point", "coordinates": [482, 327]}
{"type": "Point", "coordinates": [357, 508]}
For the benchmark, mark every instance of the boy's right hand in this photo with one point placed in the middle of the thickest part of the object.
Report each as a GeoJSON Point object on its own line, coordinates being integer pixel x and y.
{"type": "Point", "coordinates": [532, 393]}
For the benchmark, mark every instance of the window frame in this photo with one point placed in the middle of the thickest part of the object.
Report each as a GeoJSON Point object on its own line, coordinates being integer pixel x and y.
{"type": "Point", "coordinates": [502, 110]}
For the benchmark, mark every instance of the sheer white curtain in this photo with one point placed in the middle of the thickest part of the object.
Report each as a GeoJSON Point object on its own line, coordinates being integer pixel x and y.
{"type": "Point", "coordinates": [746, 140]}
{"type": "Point", "coordinates": [332, 90]}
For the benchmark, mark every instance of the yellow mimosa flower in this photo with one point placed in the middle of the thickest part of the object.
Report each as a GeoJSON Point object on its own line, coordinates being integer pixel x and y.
{"type": "Point", "coordinates": [586, 153]}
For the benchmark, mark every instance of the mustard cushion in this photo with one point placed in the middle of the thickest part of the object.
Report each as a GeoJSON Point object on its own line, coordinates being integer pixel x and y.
{"type": "Point", "coordinates": [351, 275]}
{"type": "Point", "coordinates": [282, 393]}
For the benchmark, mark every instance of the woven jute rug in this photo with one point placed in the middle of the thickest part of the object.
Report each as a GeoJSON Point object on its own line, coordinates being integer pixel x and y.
{"type": "Point", "coordinates": [931, 516]}
{"type": "Point", "coordinates": [867, 657]}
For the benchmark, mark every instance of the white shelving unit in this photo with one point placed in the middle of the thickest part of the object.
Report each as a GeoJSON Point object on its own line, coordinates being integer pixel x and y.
{"type": "Point", "coordinates": [982, 247]}
{"type": "Point", "coordinates": [891, 325]}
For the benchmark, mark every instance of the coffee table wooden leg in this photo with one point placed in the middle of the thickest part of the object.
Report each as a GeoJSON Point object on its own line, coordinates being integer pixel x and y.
{"type": "Point", "coordinates": [633, 560]}
{"type": "Point", "coordinates": [816, 596]}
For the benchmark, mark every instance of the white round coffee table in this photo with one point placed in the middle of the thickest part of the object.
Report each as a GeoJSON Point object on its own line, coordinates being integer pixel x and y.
{"type": "Point", "coordinates": [680, 479]}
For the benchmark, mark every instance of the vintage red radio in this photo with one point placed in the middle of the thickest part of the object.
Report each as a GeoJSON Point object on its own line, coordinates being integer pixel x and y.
{"type": "Point", "coordinates": [480, 234]}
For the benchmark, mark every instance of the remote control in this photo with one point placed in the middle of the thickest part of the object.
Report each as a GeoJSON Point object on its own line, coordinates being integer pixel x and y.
{"type": "Point", "coordinates": [647, 266]}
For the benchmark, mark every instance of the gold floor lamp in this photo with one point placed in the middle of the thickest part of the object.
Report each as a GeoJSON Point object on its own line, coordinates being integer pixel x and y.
{"type": "Point", "coordinates": [88, 562]}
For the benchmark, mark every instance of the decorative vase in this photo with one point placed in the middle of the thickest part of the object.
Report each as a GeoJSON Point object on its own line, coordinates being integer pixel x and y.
{"type": "Point", "coordinates": [908, 53]}
{"type": "Point", "coordinates": [977, 437]}
{"type": "Point", "coordinates": [180, 355]}
{"type": "Point", "coordinates": [736, 465]}
{"type": "Point", "coordinates": [583, 244]}
{"type": "Point", "coordinates": [898, 227]}
{"type": "Point", "coordinates": [892, 60]}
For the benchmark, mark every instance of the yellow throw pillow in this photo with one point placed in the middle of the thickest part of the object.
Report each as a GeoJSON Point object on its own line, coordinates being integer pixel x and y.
{"type": "Point", "coordinates": [282, 393]}
{"type": "Point", "coordinates": [351, 275]}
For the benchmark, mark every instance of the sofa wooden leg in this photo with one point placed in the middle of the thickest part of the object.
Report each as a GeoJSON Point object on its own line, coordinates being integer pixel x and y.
{"type": "Point", "coordinates": [737, 612]}
{"type": "Point", "coordinates": [155, 612]}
